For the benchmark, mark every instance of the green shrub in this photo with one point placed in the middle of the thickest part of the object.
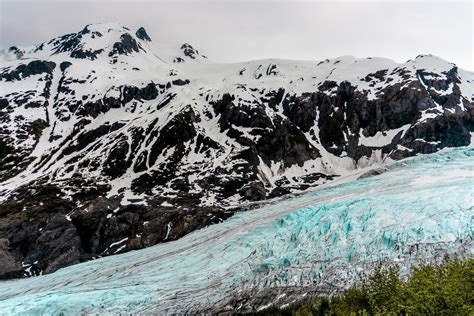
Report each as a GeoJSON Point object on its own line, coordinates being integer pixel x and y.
{"type": "Point", "coordinates": [446, 289]}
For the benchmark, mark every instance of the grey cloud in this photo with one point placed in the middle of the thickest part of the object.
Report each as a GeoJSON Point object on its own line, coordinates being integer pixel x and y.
{"type": "Point", "coordinates": [243, 30]}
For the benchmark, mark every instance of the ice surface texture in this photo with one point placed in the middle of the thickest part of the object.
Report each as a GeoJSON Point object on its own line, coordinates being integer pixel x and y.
{"type": "Point", "coordinates": [416, 211]}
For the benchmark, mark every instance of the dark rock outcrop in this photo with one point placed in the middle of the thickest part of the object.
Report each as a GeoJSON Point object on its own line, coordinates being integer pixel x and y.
{"type": "Point", "coordinates": [125, 46]}
{"type": "Point", "coordinates": [35, 67]}
{"type": "Point", "coordinates": [190, 51]}
{"type": "Point", "coordinates": [142, 34]}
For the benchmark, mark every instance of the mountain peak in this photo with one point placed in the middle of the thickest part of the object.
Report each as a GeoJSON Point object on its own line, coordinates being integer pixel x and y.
{"type": "Point", "coordinates": [109, 39]}
{"type": "Point", "coordinates": [105, 27]}
{"type": "Point", "coordinates": [142, 34]}
{"type": "Point", "coordinates": [94, 40]}
{"type": "Point", "coordinates": [430, 62]}
{"type": "Point", "coordinates": [188, 52]}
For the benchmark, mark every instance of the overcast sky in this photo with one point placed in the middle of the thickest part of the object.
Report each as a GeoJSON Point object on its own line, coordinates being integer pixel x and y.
{"type": "Point", "coordinates": [229, 30]}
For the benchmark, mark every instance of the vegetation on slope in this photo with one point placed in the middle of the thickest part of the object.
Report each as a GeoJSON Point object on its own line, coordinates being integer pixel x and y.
{"type": "Point", "coordinates": [431, 290]}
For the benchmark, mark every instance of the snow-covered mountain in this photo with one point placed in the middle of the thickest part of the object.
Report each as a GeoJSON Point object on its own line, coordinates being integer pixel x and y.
{"type": "Point", "coordinates": [110, 142]}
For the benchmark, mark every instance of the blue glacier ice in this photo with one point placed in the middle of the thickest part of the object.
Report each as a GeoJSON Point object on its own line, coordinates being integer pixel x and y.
{"type": "Point", "coordinates": [415, 211]}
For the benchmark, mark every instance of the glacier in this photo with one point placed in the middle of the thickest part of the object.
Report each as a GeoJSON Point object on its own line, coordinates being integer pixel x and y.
{"type": "Point", "coordinates": [406, 213]}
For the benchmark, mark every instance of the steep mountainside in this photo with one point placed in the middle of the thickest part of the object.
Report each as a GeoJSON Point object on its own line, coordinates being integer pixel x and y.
{"type": "Point", "coordinates": [413, 212]}
{"type": "Point", "coordinates": [107, 145]}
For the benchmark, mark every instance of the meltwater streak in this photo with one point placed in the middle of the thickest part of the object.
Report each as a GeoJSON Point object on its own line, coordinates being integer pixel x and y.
{"type": "Point", "coordinates": [417, 211]}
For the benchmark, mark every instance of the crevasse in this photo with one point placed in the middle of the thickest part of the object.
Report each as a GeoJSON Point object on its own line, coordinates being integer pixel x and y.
{"type": "Point", "coordinates": [418, 210]}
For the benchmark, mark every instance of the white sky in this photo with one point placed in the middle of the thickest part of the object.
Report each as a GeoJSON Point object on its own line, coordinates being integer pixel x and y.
{"type": "Point", "coordinates": [229, 30]}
